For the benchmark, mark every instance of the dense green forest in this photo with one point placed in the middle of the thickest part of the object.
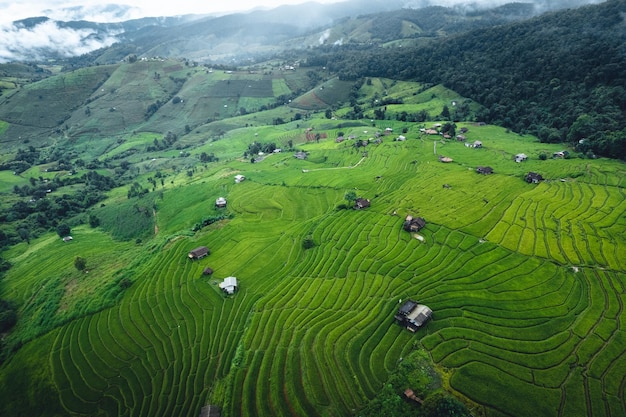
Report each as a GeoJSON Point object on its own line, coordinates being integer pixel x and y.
{"type": "Point", "coordinates": [560, 76]}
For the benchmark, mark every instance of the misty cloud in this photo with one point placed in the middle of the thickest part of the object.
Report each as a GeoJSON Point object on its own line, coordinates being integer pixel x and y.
{"type": "Point", "coordinates": [324, 36]}
{"type": "Point", "coordinates": [540, 6]}
{"type": "Point", "coordinates": [20, 43]}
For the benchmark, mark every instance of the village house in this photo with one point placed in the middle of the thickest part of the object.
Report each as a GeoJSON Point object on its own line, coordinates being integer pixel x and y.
{"type": "Point", "coordinates": [484, 170]}
{"type": "Point", "coordinates": [533, 178]}
{"type": "Point", "coordinates": [477, 144]}
{"type": "Point", "coordinates": [445, 159]}
{"type": "Point", "coordinates": [361, 203]}
{"type": "Point", "coordinates": [300, 155]}
{"type": "Point", "coordinates": [413, 315]}
{"type": "Point", "coordinates": [199, 253]}
{"type": "Point", "coordinates": [461, 138]}
{"type": "Point", "coordinates": [239, 178]}
{"type": "Point", "coordinates": [220, 202]}
{"type": "Point", "coordinates": [520, 157]}
{"type": "Point", "coordinates": [413, 224]}
{"type": "Point", "coordinates": [229, 285]}
{"type": "Point", "coordinates": [560, 154]}
{"type": "Point", "coordinates": [410, 395]}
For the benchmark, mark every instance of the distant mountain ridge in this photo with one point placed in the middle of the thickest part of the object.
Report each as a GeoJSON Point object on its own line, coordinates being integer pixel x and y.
{"type": "Point", "coordinates": [240, 36]}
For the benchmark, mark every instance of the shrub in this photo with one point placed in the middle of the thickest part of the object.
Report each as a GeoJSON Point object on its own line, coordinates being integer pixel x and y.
{"type": "Point", "coordinates": [308, 242]}
{"type": "Point", "coordinates": [80, 263]}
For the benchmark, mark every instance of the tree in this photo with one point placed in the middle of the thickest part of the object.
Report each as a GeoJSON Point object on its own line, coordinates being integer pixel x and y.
{"type": "Point", "coordinates": [308, 242]}
{"type": "Point", "coordinates": [328, 114]}
{"type": "Point", "coordinates": [80, 263]}
{"type": "Point", "coordinates": [94, 221]}
{"type": "Point", "coordinates": [445, 113]}
{"type": "Point", "coordinates": [24, 234]}
{"type": "Point", "coordinates": [8, 316]}
{"type": "Point", "coordinates": [350, 197]}
{"type": "Point", "coordinates": [440, 404]}
{"type": "Point", "coordinates": [63, 230]}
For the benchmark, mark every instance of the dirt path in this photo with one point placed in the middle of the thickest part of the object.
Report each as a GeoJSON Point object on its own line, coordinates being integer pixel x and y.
{"type": "Point", "coordinates": [326, 169]}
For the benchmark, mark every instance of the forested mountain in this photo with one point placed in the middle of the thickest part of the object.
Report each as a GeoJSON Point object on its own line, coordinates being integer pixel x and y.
{"type": "Point", "coordinates": [560, 76]}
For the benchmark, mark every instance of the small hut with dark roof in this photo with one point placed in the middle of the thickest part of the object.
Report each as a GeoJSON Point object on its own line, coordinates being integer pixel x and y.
{"type": "Point", "coordinates": [198, 253]}
{"type": "Point", "coordinates": [413, 224]}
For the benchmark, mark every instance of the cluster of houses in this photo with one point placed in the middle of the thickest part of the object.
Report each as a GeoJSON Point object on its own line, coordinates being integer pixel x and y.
{"type": "Point", "coordinates": [229, 285]}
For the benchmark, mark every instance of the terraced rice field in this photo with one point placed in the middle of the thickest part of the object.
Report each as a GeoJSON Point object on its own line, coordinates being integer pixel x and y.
{"type": "Point", "coordinates": [526, 282]}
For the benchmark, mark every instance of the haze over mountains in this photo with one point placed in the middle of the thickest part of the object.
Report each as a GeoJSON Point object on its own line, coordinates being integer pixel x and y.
{"type": "Point", "coordinates": [75, 31]}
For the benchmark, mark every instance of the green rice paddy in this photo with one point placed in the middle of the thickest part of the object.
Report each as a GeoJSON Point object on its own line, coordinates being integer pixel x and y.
{"type": "Point", "coordinates": [526, 283]}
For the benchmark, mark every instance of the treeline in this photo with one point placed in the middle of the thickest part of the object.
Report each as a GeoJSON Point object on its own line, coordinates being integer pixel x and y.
{"type": "Point", "coordinates": [560, 76]}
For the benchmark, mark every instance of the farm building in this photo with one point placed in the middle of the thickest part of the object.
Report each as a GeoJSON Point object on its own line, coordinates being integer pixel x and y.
{"type": "Point", "coordinates": [361, 203]}
{"type": "Point", "coordinates": [229, 285]}
{"type": "Point", "coordinates": [410, 395]}
{"type": "Point", "coordinates": [220, 202]}
{"type": "Point", "coordinates": [413, 315]}
{"type": "Point", "coordinates": [401, 138]}
{"type": "Point", "coordinates": [477, 144]}
{"type": "Point", "coordinates": [67, 238]}
{"type": "Point", "coordinates": [560, 154]}
{"type": "Point", "coordinates": [445, 159]}
{"type": "Point", "coordinates": [239, 178]}
{"type": "Point", "coordinates": [413, 224]}
{"type": "Point", "coordinates": [461, 138]}
{"type": "Point", "coordinates": [533, 178]}
{"type": "Point", "coordinates": [300, 155]}
{"type": "Point", "coordinates": [484, 170]}
{"type": "Point", "coordinates": [520, 157]}
{"type": "Point", "coordinates": [199, 253]}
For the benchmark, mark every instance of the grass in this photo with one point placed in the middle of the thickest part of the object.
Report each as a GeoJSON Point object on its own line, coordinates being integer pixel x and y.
{"type": "Point", "coordinates": [310, 331]}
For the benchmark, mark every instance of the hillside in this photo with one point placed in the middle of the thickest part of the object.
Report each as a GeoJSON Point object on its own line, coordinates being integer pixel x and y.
{"type": "Point", "coordinates": [559, 76]}
{"type": "Point", "coordinates": [514, 272]}
{"type": "Point", "coordinates": [525, 280]}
